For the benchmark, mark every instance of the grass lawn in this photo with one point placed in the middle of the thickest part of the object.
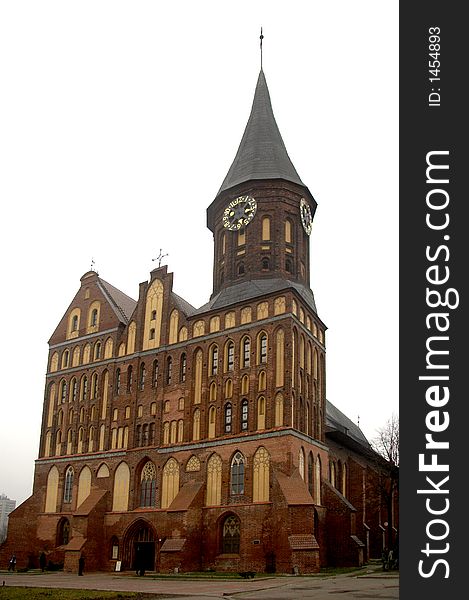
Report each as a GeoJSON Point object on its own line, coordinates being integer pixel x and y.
{"type": "Point", "coordinates": [19, 593]}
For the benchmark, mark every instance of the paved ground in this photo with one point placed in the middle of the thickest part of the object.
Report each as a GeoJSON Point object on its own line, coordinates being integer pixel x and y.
{"type": "Point", "coordinates": [368, 586]}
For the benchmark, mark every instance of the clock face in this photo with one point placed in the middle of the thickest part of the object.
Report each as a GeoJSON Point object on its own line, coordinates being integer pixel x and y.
{"type": "Point", "coordinates": [239, 213]}
{"type": "Point", "coordinates": [306, 216]}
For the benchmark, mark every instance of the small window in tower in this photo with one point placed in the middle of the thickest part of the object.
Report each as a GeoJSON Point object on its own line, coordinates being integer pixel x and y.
{"type": "Point", "coordinates": [265, 264]}
{"type": "Point", "coordinates": [152, 333]}
{"type": "Point", "coordinates": [94, 317]}
{"type": "Point", "coordinates": [153, 315]}
{"type": "Point", "coordinates": [288, 266]}
{"type": "Point", "coordinates": [241, 237]}
{"type": "Point", "coordinates": [75, 323]}
{"type": "Point", "coordinates": [169, 371]}
{"type": "Point", "coordinates": [228, 415]}
{"type": "Point", "coordinates": [244, 415]}
{"type": "Point", "coordinates": [241, 269]}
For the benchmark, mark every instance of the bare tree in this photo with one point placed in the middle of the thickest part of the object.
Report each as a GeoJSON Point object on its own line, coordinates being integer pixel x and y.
{"type": "Point", "coordinates": [386, 446]}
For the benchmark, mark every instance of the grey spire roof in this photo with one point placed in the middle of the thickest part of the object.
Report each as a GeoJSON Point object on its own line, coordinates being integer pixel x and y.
{"type": "Point", "coordinates": [261, 153]}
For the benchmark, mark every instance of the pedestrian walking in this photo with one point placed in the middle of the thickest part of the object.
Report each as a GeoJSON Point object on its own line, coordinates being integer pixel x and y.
{"type": "Point", "coordinates": [81, 565]}
{"type": "Point", "coordinates": [12, 563]}
{"type": "Point", "coordinates": [42, 561]}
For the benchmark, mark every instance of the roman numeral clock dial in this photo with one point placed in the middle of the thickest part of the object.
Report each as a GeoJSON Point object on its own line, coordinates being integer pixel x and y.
{"type": "Point", "coordinates": [239, 213]}
{"type": "Point", "coordinates": [306, 216]}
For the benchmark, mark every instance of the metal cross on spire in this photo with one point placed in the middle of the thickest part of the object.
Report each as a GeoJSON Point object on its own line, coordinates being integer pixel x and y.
{"type": "Point", "coordinates": [92, 265]}
{"type": "Point", "coordinates": [261, 37]}
{"type": "Point", "coordinates": [160, 257]}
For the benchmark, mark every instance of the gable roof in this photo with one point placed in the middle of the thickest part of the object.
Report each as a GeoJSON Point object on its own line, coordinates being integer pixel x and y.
{"type": "Point", "coordinates": [122, 304]}
{"type": "Point", "coordinates": [338, 423]}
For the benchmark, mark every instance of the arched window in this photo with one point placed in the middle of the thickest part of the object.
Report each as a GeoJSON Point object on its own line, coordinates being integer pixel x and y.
{"type": "Point", "coordinates": [75, 323]}
{"type": "Point", "coordinates": [265, 264]}
{"type": "Point", "coordinates": [245, 352]}
{"type": "Point", "coordinates": [120, 498]}
{"type": "Point", "coordinates": [228, 417]}
{"type": "Point", "coordinates": [68, 487]}
{"type": "Point", "coordinates": [279, 410]}
{"type": "Point", "coordinates": [173, 432]}
{"type": "Point", "coordinates": [246, 315]}
{"type": "Point", "coordinates": [245, 384]}
{"type": "Point", "coordinates": [288, 265]}
{"type": "Point", "coordinates": [310, 474]}
{"type": "Point", "coordinates": [63, 532]}
{"type": "Point", "coordinates": [262, 384]}
{"type": "Point", "coordinates": [265, 229]}
{"type": "Point", "coordinates": [288, 231]}
{"type": "Point", "coordinates": [198, 377]}
{"type": "Point", "coordinates": [97, 351]}
{"type": "Point", "coordinates": [141, 379]}
{"type": "Point", "coordinates": [261, 413]}
{"type": "Point", "coordinates": [237, 474]}
{"type": "Point", "coordinates": [118, 382]}
{"type": "Point", "coordinates": [231, 535]}
{"type": "Point", "coordinates": [214, 467]}
{"type": "Point", "coordinates": [169, 370]}
{"type": "Point", "coordinates": [63, 391]}
{"type": "Point", "coordinates": [261, 475]}
{"type": "Point", "coordinates": [170, 487]}
{"type": "Point", "coordinates": [148, 485]}
{"type": "Point", "coordinates": [213, 364]}
{"type": "Point", "coordinates": [317, 481]}
{"type": "Point", "coordinates": [229, 356]}
{"type": "Point", "coordinates": [84, 389]}
{"type": "Point", "coordinates": [213, 392]}
{"type": "Point", "coordinates": [244, 415]}
{"type": "Point", "coordinates": [94, 317]}
{"type": "Point", "coordinates": [84, 485]}
{"type": "Point", "coordinates": [94, 385]}
{"type": "Point", "coordinates": [332, 473]}
{"type": "Point", "coordinates": [180, 437]}
{"type": "Point", "coordinates": [228, 388]}
{"type": "Point", "coordinates": [182, 368]}
{"type": "Point", "coordinates": [262, 348]}
{"type": "Point", "coordinates": [81, 437]}
{"type": "Point", "coordinates": [52, 491]}
{"type": "Point", "coordinates": [166, 432]}
{"type": "Point", "coordinates": [108, 348]}
{"type": "Point", "coordinates": [301, 462]}
{"type": "Point", "coordinates": [211, 422]}
{"type": "Point", "coordinates": [241, 269]}
{"type": "Point", "coordinates": [65, 359]}
{"type": "Point", "coordinates": [196, 425]}
{"type": "Point", "coordinates": [344, 480]}
{"type": "Point", "coordinates": [154, 375]}
{"type": "Point", "coordinates": [129, 379]}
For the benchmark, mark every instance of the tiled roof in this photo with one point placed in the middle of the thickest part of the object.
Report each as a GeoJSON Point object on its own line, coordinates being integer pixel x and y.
{"type": "Point", "coordinates": [261, 153]}
{"type": "Point", "coordinates": [123, 305]}
{"type": "Point", "coordinates": [247, 290]}
{"type": "Point", "coordinates": [336, 420]}
{"type": "Point", "coordinates": [90, 501]}
{"type": "Point", "coordinates": [294, 488]}
{"type": "Point", "coordinates": [305, 541]}
{"type": "Point", "coordinates": [183, 305]}
{"type": "Point", "coordinates": [173, 544]}
{"type": "Point", "coordinates": [185, 497]}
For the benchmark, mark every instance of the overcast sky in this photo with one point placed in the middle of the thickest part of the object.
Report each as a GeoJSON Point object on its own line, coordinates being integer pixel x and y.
{"type": "Point", "coordinates": [118, 123]}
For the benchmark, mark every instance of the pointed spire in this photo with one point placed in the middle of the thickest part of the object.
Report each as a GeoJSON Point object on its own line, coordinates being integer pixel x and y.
{"type": "Point", "coordinates": [261, 153]}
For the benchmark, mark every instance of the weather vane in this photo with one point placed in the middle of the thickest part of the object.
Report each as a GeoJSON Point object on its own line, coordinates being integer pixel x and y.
{"type": "Point", "coordinates": [160, 257]}
{"type": "Point", "coordinates": [92, 265]}
{"type": "Point", "coordinates": [261, 37]}
{"type": "Point", "coordinates": [358, 421]}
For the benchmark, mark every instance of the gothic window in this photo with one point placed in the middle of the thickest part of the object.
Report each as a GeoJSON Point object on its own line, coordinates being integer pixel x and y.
{"type": "Point", "coordinates": [228, 417]}
{"type": "Point", "coordinates": [214, 360]}
{"type": "Point", "coordinates": [214, 324]}
{"type": "Point", "coordinates": [262, 343]}
{"type": "Point", "coordinates": [229, 356]}
{"type": "Point", "coordinates": [75, 323]}
{"type": "Point", "coordinates": [81, 435]}
{"type": "Point", "coordinates": [279, 305]}
{"type": "Point", "coordinates": [246, 315]}
{"type": "Point", "coordinates": [214, 467]}
{"type": "Point", "coordinates": [262, 385]}
{"type": "Point", "coordinates": [199, 328]}
{"type": "Point", "coordinates": [198, 377]}
{"type": "Point", "coordinates": [213, 392]}
{"type": "Point", "coordinates": [108, 348]}
{"type": "Point", "coordinates": [65, 359]}
{"type": "Point", "coordinates": [228, 388]}
{"type": "Point", "coordinates": [310, 474]}
{"type": "Point", "coordinates": [120, 497]}
{"type": "Point", "coordinates": [246, 352]}
{"type": "Point", "coordinates": [265, 264]}
{"type": "Point", "coordinates": [173, 432]}
{"type": "Point", "coordinates": [170, 487]}
{"type": "Point", "coordinates": [317, 481]}
{"type": "Point", "coordinates": [301, 462]}
{"type": "Point", "coordinates": [54, 362]}
{"type": "Point", "coordinates": [151, 435]}
{"type": "Point", "coordinates": [118, 382]}
{"type": "Point", "coordinates": [183, 368]}
{"type": "Point", "coordinates": [63, 532]}
{"type": "Point", "coordinates": [166, 432]}
{"type": "Point", "coordinates": [237, 474]}
{"type": "Point", "coordinates": [152, 410]}
{"type": "Point", "coordinates": [245, 384]}
{"type": "Point", "coordinates": [180, 437]}
{"type": "Point", "coordinates": [193, 464]}
{"type": "Point", "coordinates": [148, 485]}
{"type": "Point", "coordinates": [94, 385]}
{"type": "Point", "coordinates": [169, 370]}
{"type": "Point", "coordinates": [344, 480]}
{"type": "Point", "coordinates": [181, 404]}
{"type": "Point", "coordinates": [244, 415]}
{"type": "Point", "coordinates": [196, 425]}
{"type": "Point", "coordinates": [154, 375]}
{"type": "Point", "coordinates": [288, 266]}
{"type": "Point", "coordinates": [144, 435]}
{"type": "Point", "coordinates": [241, 269]}
{"type": "Point", "coordinates": [129, 380]}
{"type": "Point", "coordinates": [51, 490]}
{"type": "Point", "coordinates": [63, 391]}
{"type": "Point", "coordinates": [173, 327]}
{"type": "Point", "coordinates": [97, 351]}
{"type": "Point", "coordinates": [211, 422]}
{"type": "Point", "coordinates": [141, 381]}
{"type": "Point", "coordinates": [231, 535]}
{"type": "Point", "coordinates": [94, 317]}
{"type": "Point", "coordinates": [68, 487]}
{"type": "Point", "coordinates": [261, 413]}
{"type": "Point", "coordinates": [84, 388]}
{"type": "Point", "coordinates": [261, 475]}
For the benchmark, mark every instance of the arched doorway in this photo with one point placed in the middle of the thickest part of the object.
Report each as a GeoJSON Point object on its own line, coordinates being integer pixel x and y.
{"type": "Point", "coordinates": [140, 543]}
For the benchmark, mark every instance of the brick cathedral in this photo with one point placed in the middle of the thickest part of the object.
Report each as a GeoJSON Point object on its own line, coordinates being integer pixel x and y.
{"type": "Point", "coordinates": [188, 439]}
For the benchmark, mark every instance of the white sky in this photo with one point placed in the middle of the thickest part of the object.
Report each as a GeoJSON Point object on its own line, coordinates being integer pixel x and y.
{"type": "Point", "coordinates": [119, 121]}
